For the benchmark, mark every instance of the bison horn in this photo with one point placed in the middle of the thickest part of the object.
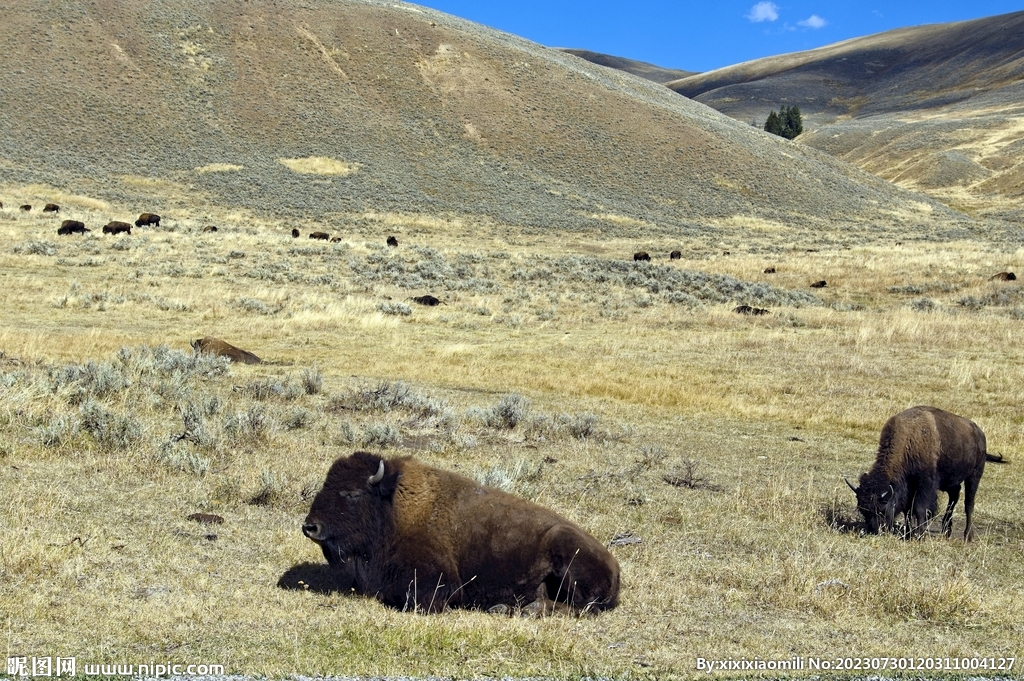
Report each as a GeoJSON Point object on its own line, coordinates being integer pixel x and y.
{"type": "Point", "coordinates": [378, 476]}
{"type": "Point", "coordinates": [850, 485]}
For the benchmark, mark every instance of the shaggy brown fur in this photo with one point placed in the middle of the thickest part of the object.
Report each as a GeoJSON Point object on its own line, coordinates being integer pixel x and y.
{"type": "Point", "coordinates": [215, 346]}
{"type": "Point", "coordinates": [148, 219]}
{"type": "Point", "coordinates": [319, 235]}
{"type": "Point", "coordinates": [675, 255]}
{"type": "Point", "coordinates": [641, 256]}
{"type": "Point", "coordinates": [72, 227]}
{"type": "Point", "coordinates": [922, 450]}
{"type": "Point", "coordinates": [26, 207]}
{"type": "Point", "coordinates": [51, 208]}
{"type": "Point", "coordinates": [1003, 276]}
{"type": "Point", "coordinates": [117, 227]}
{"type": "Point", "coordinates": [819, 284]}
{"type": "Point", "coordinates": [420, 537]}
{"type": "Point", "coordinates": [392, 241]}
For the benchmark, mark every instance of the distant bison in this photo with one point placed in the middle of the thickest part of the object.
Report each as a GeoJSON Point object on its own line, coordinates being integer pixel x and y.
{"type": "Point", "coordinates": [418, 537]}
{"type": "Point", "coordinates": [215, 346]}
{"type": "Point", "coordinates": [116, 227]}
{"type": "Point", "coordinates": [26, 207]}
{"type": "Point", "coordinates": [148, 219]}
{"type": "Point", "coordinates": [295, 233]}
{"type": "Point", "coordinates": [675, 255]}
{"type": "Point", "coordinates": [72, 227]}
{"type": "Point", "coordinates": [392, 241]}
{"type": "Point", "coordinates": [426, 300]}
{"type": "Point", "coordinates": [319, 235]}
{"type": "Point", "coordinates": [51, 208]}
{"type": "Point", "coordinates": [641, 256]}
{"type": "Point", "coordinates": [210, 228]}
{"type": "Point", "coordinates": [922, 450]}
{"type": "Point", "coordinates": [769, 270]}
{"type": "Point", "coordinates": [819, 284]}
{"type": "Point", "coordinates": [1003, 276]}
{"type": "Point", "coordinates": [335, 239]}
{"type": "Point", "coordinates": [747, 309]}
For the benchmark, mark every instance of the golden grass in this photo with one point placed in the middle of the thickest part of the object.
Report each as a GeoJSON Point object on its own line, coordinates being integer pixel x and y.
{"type": "Point", "coordinates": [320, 165]}
{"type": "Point", "coordinates": [218, 168]}
{"type": "Point", "coordinates": [97, 558]}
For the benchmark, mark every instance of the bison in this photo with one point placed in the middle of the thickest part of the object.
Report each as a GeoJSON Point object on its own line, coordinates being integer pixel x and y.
{"type": "Point", "coordinates": [148, 219]}
{"type": "Point", "coordinates": [422, 538]}
{"type": "Point", "coordinates": [295, 233]}
{"type": "Point", "coordinates": [26, 207]}
{"type": "Point", "coordinates": [117, 227]}
{"type": "Point", "coordinates": [922, 450]}
{"type": "Point", "coordinates": [215, 346]}
{"type": "Point", "coordinates": [51, 208]}
{"type": "Point", "coordinates": [819, 284]}
{"type": "Point", "coordinates": [210, 228]}
{"type": "Point", "coordinates": [769, 270]}
{"type": "Point", "coordinates": [392, 241]}
{"type": "Point", "coordinates": [747, 309]}
{"type": "Point", "coordinates": [428, 300]}
{"type": "Point", "coordinates": [72, 227]}
{"type": "Point", "coordinates": [641, 256]}
{"type": "Point", "coordinates": [1003, 276]}
{"type": "Point", "coordinates": [675, 255]}
{"type": "Point", "coordinates": [319, 235]}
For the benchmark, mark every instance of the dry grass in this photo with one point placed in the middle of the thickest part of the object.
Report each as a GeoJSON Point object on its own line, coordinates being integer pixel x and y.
{"type": "Point", "coordinates": [625, 391]}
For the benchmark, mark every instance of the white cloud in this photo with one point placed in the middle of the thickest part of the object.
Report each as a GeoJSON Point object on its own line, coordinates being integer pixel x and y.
{"type": "Point", "coordinates": [813, 21]}
{"type": "Point", "coordinates": [763, 11]}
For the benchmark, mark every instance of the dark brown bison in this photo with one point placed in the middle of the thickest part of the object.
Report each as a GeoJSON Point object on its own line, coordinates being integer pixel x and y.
{"type": "Point", "coordinates": [26, 207]}
{"type": "Point", "coordinates": [72, 227]}
{"type": "Point", "coordinates": [675, 255]}
{"type": "Point", "coordinates": [295, 233]}
{"type": "Point", "coordinates": [210, 228]}
{"type": "Point", "coordinates": [922, 450]}
{"type": "Point", "coordinates": [819, 284]}
{"type": "Point", "coordinates": [392, 241]}
{"type": "Point", "coordinates": [319, 235]}
{"type": "Point", "coordinates": [641, 256]}
{"type": "Point", "coordinates": [335, 239]}
{"type": "Point", "coordinates": [747, 309]}
{"type": "Point", "coordinates": [1003, 276]}
{"type": "Point", "coordinates": [117, 227]}
{"type": "Point", "coordinates": [148, 219]}
{"type": "Point", "coordinates": [417, 537]}
{"type": "Point", "coordinates": [426, 300]}
{"type": "Point", "coordinates": [769, 270]}
{"type": "Point", "coordinates": [51, 208]}
{"type": "Point", "coordinates": [215, 346]}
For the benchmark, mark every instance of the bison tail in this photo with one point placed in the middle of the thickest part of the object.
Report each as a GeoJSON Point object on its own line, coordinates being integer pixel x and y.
{"type": "Point", "coordinates": [995, 458]}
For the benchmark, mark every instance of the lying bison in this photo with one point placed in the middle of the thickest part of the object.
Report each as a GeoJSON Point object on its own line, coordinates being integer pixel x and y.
{"type": "Point", "coordinates": [148, 219]}
{"type": "Point", "coordinates": [324, 236]}
{"type": "Point", "coordinates": [922, 450]}
{"type": "Point", "coordinates": [25, 207]}
{"type": "Point", "coordinates": [641, 256]}
{"type": "Point", "coordinates": [747, 309]}
{"type": "Point", "coordinates": [675, 255]}
{"type": "Point", "coordinates": [1003, 276]}
{"type": "Point", "coordinates": [427, 300]}
{"type": "Point", "coordinates": [417, 537]}
{"type": "Point", "coordinates": [215, 346]}
{"type": "Point", "coordinates": [392, 241]}
{"type": "Point", "coordinates": [117, 227]}
{"type": "Point", "coordinates": [72, 227]}
{"type": "Point", "coordinates": [819, 284]}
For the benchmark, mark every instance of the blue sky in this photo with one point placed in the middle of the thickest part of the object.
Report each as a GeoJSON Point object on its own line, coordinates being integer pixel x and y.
{"type": "Point", "coordinates": [706, 35]}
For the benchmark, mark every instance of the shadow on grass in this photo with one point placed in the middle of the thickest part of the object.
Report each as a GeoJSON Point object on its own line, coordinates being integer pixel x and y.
{"type": "Point", "coordinates": [319, 577]}
{"type": "Point", "coordinates": [840, 519]}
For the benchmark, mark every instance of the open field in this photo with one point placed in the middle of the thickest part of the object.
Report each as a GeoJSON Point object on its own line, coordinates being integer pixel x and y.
{"type": "Point", "coordinates": [642, 405]}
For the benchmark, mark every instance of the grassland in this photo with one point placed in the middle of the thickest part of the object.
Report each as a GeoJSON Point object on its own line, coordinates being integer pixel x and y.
{"type": "Point", "coordinates": [625, 395]}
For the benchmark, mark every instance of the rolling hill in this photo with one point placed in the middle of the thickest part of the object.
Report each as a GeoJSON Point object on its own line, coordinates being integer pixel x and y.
{"type": "Point", "coordinates": [339, 107]}
{"type": "Point", "coordinates": [937, 108]}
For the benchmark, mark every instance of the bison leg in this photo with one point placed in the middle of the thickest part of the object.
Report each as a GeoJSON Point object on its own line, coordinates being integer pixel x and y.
{"type": "Point", "coordinates": [923, 507]}
{"type": "Point", "coordinates": [970, 488]}
{"type": "Point", "coordinates": [947, 517]}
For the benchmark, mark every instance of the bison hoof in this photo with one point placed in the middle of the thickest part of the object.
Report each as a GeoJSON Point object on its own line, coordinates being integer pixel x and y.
{"type": "Point", "coordinates": [499, 609]}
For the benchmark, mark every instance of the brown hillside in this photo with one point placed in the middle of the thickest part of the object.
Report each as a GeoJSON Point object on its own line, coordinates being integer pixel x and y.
{"type": "Point", "coordinates": [378, 106]}
{"type": "Point", "coordinates": [933, 108]}
{"type": "Point", "coordinates": [638, 68]}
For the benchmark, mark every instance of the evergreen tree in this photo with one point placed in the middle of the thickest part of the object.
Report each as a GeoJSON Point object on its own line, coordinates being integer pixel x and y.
{"type": "Point", "coordinates": [786, 123]}
{"type": "Point", "coordinates": [773, 124]}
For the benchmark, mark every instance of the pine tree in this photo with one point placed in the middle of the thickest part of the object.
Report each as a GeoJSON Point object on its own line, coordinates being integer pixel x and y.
{"type": "Point", "coordinates": [786, 123]}
{"type": "Point", "coordinates": [773, 124]}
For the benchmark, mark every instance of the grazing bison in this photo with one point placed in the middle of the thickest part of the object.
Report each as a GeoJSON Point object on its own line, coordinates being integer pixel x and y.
{"type": "Point", "coordinates": [418, 537]}
{"type": "Point", "coordinates": [148, 219]}
{"type": "Point", "coordinates": [117, 227]}
{"type": "Point", "coordinates": [295, 233]}
{"type": "Point", "coordinates": [819, 284]}
{"type": "Point", "coordinates": [641, 256]}
{"type": "Point", "coordinates": [26, 207]}
{"type": "Point", "coordinates": [215, 346]}
{"type": "Point", "coordinates": [72, 227]}
{"type": "Point", "coordinates": [747, 309]}
{"type": "Point", "coordinates": [922, 450]}
{"type": "Point", "coordinates": [769, 270]}
{"type": "Point", "coordinates": [426, 300]}
{"type": "Point", "coordinates": [51, 208]}
{"type": "Point", "coordinates": [319, 235]}
{"type": "Point", "coordinates": [675, 255]}
{"type": "Point", "coordinates": [1003, 276]}
{"type": "Point", "coordinates": [392, 241]}
{"type": "Point", "coordinates": [335, 239]}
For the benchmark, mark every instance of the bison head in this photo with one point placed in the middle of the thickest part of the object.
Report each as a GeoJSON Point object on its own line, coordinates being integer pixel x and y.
{"type": "Point", "coordinates": [352, 511]}
{"type": "Point", "coordinates": [876, 501]}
